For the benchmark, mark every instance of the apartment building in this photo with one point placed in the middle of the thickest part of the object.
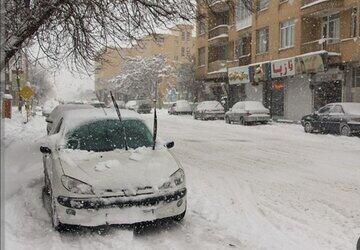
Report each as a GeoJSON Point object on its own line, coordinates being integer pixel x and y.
{"type": "Point", "coordinates": [293, 55]}
{"type": "Point", "coordinates": [177, 45]}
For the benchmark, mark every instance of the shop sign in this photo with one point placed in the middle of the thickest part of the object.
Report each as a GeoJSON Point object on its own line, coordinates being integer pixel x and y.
{"type": "Point", "coordinates": [309, 64]}
{"type": "Point", "coordinates": [282, 68]}
{"type": "Point", "coordinates": [238, 75]}
{"type": "Point", "coordinates": [259, 73]}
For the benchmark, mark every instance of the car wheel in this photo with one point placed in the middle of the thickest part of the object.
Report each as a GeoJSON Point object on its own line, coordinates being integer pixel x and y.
{"type": "Point", "coordinates": [345, 130]}
{"type": "Point", "coordinates": [227, 120]}
{"type": "Point", "coordinates": [308, 128]}
{"type": "Point", "coordinates": [242, 121]}
{"type": "Point", "coordinates": [180, 217]}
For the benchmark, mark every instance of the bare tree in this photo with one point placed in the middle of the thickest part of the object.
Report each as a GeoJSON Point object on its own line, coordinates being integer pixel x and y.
{"type": "Point", "coordinates": [75, 30]}
{"type": "Point", "coordinates": [139, 76]}
{"type": "Point", "coordinates": [188, 87]}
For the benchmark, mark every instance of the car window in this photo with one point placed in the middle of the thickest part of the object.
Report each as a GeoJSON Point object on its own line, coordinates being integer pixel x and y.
{"type": "Point", "coordinates": [337, 109]}
{"type": "Point", "coordinates": [324, 110]}
{"type": "Point", "coordinates": [107, 135]}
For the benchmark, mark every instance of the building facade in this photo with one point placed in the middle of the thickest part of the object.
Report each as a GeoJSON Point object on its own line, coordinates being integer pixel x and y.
{"type": "Point", "coordinates": [177, 45]}
{"type": "Point", "coordinates": [294, 56]}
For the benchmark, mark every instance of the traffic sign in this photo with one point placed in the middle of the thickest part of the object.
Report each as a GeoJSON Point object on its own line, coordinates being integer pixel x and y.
{"type": "Point", "coordinates": [26, 93]}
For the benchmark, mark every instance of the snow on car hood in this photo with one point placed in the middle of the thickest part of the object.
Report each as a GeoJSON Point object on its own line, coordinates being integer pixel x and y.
{"type": "Point", "coordinates": [119, 169]}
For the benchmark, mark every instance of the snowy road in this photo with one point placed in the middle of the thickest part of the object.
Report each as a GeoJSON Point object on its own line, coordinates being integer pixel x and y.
{"type": "Point", "coordinates": [253, 187]}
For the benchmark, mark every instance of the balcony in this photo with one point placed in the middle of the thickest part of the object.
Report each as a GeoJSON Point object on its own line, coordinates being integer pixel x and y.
{"type": "Point", "coordinates": [317, 7]}
{"type": "Point", "coordinates": [245, 60]}
{"type": "Point", "coordinates": [217, 68]}
{"type": "Point", "coordinates": [219, 5]}
{"type": "Point", "coordinates": [329, 44]}
{"type": "Point", "coordinates": [219, 34]}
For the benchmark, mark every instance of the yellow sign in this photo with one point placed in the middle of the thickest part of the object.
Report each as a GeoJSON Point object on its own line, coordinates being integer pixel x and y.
{"type": "Point", "coordinates": [26, 93]}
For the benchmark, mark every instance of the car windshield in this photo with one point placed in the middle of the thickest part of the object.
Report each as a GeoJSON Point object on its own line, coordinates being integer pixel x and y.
{"type": "Point", "coordinates": [107, 135]}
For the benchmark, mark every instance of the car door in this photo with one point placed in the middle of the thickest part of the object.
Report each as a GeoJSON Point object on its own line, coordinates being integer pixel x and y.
{"type": "Point", "coordinates": [336, 116]}
{"type": "Point", "coordinates": [232, 112]}
{"type": "Point", "coordinates": [240, 111]}
{"type": "Point", "coordinates": [323, 118]}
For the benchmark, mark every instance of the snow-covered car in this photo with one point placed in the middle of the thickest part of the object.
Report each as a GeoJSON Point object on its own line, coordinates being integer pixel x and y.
{"type": "Point", "coordinates": [50, 119]}
{"type": "Point", "coordinates": [247, 112]}
{"type": "Point", "coordinates": [140, 106]}
{"type": "Point", "coordinates": [48, 107]}
{"type": "Point", "coordinates": [209, 110]}
{"type": "Point", "coordinates": [338, 118]}
{"type": "Point", "coordinates": [180, 107]}
{"type": "Point", "coordinates": [99, 170]}
{"type": "Point", "coordinates": [98, 104]}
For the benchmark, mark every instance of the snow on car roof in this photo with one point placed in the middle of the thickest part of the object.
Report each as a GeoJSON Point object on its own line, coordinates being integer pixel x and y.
{"type": "Point", "coordinates": [75, 118]}
{"type": "Point", "coordinates": [349, 107]}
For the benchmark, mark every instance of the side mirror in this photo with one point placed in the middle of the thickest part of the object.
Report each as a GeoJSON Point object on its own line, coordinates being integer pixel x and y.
{"type": "Point", "coordinates": [170, 144]}
{"type": "Point", "coordinates": [73, 143]}
{"type": "Point", "coordinates": [45, 150]}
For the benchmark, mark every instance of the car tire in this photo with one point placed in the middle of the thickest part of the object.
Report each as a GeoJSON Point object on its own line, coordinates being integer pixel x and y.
{"type": "Point", "coordinates": [227, 120]}
{"type": "Point", "coordinates": [308, 128]}
{"type": "Point", "coordinates": [345, 130]}
{"type": "Point", "coordinates": [242, 121]}
{"type": "Point", "coordinates": [179, 217]}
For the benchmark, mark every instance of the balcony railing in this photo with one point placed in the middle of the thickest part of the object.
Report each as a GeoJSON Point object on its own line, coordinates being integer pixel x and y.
{"type": "Point", "coordinates": [217, 66]}
{"type": "Point", "coordinates": [329, 44]}
{"type": "Point", "coordinates": [220, 31]}
{"type": "Point", "coordinates": [245, 60]}
{"type": "Point", "coordinates": [219, 5]}
{"type": "Point", "coordinates": [310, 6]}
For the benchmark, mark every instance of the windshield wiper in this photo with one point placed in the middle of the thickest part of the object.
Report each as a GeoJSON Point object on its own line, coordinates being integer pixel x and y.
{"type": "Point", "coordinates": [120, 119]}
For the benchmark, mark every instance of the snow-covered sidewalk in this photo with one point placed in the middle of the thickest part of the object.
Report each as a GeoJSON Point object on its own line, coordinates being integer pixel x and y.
{"type": "Point", "coordinates": [250, 187]}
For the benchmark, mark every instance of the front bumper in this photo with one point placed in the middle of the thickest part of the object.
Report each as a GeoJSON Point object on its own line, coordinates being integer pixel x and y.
{"type": "Point", "coordinates": [119, 210]}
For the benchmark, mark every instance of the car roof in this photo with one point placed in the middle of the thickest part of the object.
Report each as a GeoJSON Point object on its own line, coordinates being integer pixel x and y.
{"type": "Point", "coordinates": [75, 118]}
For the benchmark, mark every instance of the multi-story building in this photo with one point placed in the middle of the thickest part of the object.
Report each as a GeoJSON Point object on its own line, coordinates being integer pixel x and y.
{"type": "Point", "coordinates": [177, 45]}
{"type": "Point", "coordinates": [293, 55]}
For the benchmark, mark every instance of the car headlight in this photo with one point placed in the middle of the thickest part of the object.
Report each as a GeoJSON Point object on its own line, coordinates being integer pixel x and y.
{"type": "Point", "coordinates": [175, 179]}
{"type": "Point", "coordinates": [76, 186]}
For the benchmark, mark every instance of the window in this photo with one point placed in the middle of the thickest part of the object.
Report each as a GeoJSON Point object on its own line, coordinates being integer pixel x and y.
{"type": "Point", "coordinates": [331, 28]}
{"type": "Point", "coordinates": [337, 110]}
{"type": "Point", "coordinates": [188, 35]}
{"type": "Point", "coordinates": [287, 34]}
{"type": "Point", "coordinates": [201, 56]}
{"type": "Point", "coordinates": [262, 40]}
{"type": "Point", "coordinates": [324, 110]}
{"type": "Point", "coordinates": [356, 78]}
{"type": "Point", "coordinates": [262, 4]}
{"type": "Point", "coordinates": [201, 26]}
{"type": "Point", "coordinates": [354, 23]}
{"type": "Point", "coordinates": [243, 15]}
{"type": "Point", "coordinates": [242, 46]}
{"type": "Point", "coordinates": [182, 51]}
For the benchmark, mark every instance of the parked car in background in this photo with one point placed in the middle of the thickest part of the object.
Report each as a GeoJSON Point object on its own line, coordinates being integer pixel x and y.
{"type": "Point", "coordinates": [209, 110]}
{"type": "Point", "coordinates": [180, 107]}
{"type": "Point", "coordinates": [51, 119]}
{"type": "Point", "coordinates": [248, 112]}
{"type": "Point", "coordinates": [140, 106]}
{"type": "Point", "coordinates": [97, 104]}
{"type": "Point", "coordinates": [337, 118]}
{"type": "Point", "coordinates": [48, 107]}
{"type": "Point", "coordinates": [92, 179]}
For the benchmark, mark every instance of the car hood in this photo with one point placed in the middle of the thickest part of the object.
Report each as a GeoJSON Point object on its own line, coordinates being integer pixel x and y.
{"type": "Point", "coordinates": [119, 169]}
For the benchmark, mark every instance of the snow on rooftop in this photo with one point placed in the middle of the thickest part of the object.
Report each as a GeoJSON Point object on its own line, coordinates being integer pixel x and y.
{"type": "Point", "coordinates": [75, 118]}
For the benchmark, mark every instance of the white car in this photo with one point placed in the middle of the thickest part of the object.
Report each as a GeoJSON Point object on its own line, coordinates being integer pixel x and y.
{"type": "Point", "coordinates": [100, 171]}
{"type": "Point", "coordinates": [131, 104]}
{"type": "Point", "coordinates": [209, 110]}
{"type": "Point", "coordinates": [248, 112]}
{"type": "Point", "coordinates": [180, 107]}
{"type": "Point", "coordinates": [53, 116]}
